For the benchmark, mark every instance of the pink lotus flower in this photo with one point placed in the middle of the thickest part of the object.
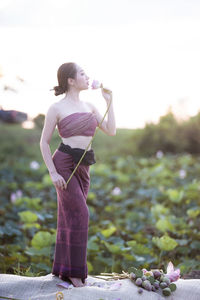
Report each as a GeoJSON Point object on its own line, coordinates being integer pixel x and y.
{"type": "Point", "coordinates": [96, 84]}
{"type": "Point", "coordinates": [15, 196]}
{"type": "Point", "coordinates": [116, 191]}
{"type": "Point", "coordinates": [172, 274]}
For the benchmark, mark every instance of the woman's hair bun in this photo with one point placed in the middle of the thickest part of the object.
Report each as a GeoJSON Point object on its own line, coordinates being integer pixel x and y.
{"type": "Point", "coordinates": [65, 71]}
{"type": "Point", "coordinates": [58, 90]}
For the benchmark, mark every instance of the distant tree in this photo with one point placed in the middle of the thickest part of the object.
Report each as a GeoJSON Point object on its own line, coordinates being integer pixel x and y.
{"type": "Point", "coordinates": [39, 120]}
{"type": "Point", "coordinates": [169, 135]}
{"type": "Point", "coordinates": [191, 133]}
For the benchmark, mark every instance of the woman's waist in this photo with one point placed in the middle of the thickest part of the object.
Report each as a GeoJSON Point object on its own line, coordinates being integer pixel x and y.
{"type": "Point", "coordinates": [77, 141]}
{"type": "Point", "coordinates": [79, 155]}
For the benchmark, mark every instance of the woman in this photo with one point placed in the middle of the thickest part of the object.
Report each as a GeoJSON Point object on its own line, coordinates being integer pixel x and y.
{"type": "Point", "coordinates": [76, 122]}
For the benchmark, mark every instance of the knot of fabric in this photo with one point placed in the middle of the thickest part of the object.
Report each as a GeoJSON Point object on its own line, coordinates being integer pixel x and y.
{"type": "Point", "coordinates": [77, 153]}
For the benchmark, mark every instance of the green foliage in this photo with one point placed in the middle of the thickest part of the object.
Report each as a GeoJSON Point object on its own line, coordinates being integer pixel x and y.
{"type": "Point", "coordinates": [193, 212]}
{"type": "Point", "coordinates": [108, 232]}
{"type": "Point", "coordinates": [28, 217]}
{"type": "Point", "coordinates": [168, 135]}
{"type": "Point", "coordinates": [42, 239]}
{"type": "Point", "coordinates": [31, 203]}
{"type": "Point", "coordinates": [39, 120]}
{"type": "Point", "coordinates": [175, 195]}
{"type": "Point", "coordinates": [165, 224]}
{"type": "Point", "coordinates": [144, 211]}
{"type": "Point", "coordinates": [165, 243]}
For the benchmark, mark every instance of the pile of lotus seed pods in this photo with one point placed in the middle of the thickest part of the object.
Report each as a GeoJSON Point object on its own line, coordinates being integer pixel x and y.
{"type": "Point", "coordinates": [152, 280]}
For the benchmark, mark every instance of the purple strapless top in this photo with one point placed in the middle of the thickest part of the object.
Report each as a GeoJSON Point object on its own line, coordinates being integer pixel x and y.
{"type": "Point", "coordinates": [79, 123]}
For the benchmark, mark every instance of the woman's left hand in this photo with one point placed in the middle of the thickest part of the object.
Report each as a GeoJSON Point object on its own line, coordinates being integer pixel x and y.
{"type": "Point", "coordinates": [107, 94]}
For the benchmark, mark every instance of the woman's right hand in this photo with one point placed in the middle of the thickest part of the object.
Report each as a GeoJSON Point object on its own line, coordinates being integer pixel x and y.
{"type": "Point", "coordinates": [58, 181]}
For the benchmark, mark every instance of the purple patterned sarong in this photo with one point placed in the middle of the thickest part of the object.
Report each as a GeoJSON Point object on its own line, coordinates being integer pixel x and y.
{"type": "Point", "coordinates": [70, 258]}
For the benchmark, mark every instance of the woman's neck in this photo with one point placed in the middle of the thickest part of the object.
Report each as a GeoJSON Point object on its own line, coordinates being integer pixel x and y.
{"type": "Point", "coordinates": [73, 95]}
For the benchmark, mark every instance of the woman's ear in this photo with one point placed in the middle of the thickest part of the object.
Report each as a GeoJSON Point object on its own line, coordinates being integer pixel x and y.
{"type": "Point", "coordinates": [70, 81]}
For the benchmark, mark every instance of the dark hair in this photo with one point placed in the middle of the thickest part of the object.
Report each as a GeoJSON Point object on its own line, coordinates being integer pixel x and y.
{"type": "Point", "coordinates": [65, 71]}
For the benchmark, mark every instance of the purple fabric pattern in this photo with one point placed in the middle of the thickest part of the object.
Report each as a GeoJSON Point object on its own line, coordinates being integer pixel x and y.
{"type": "Point", "coordinates": [79, 123]}
{"type": "Point", "coordinates": [70, 257]}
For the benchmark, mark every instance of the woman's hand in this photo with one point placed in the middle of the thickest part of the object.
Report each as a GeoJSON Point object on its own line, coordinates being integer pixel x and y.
{"type": "Point", "coordinates": [58, 181]}
{"type": "Point", "coordinates": [107, 94]}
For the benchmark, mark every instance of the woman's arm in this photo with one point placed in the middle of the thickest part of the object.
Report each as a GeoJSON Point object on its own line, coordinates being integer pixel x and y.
{"type": "Point", "coordinates": [47, 132]}
{"type": "Point", "coordinates": [109, 126]}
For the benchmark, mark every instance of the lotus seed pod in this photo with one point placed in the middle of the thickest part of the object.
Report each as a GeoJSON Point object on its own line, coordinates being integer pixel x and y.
{"type": "Point", "coordinates": [144, 277]}
{"type": "Point", "coordinates": [132, 275]}
{"type": "Point", "coordinates": [166, 291]}
{"type": "Point", "coordinates": [138, 281]}
{"type": "Point", "coordinates": [172, 287]}
{"type": "Point", "coordinates": [163, 285]}
{"type": "Point", "coordinates": [140, 290]}
{"type": "Point", "coordinates": [156, 273]}
{"type": "Point", "coordinates": [153, 288]}
{"type": "Point", "coordinates": [161, 277]}
{"type": "Point", "coordinates": [147, 285]}
{"type": "Point", "coordinates": [143, 284]}
{"type": "Point", "coordinates": [167, 280]}
{"type": "Point", "coordinates": [156, 284]}
{"type": "Point", "coordinates": [149, 273]}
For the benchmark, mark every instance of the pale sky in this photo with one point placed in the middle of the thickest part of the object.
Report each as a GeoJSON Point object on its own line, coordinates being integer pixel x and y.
{"type": "Point", "coordinates": [147, 52]}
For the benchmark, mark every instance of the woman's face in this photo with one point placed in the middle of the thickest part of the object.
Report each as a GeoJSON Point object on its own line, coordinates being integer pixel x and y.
{"type": "Point", "coordinates": [82, 80]}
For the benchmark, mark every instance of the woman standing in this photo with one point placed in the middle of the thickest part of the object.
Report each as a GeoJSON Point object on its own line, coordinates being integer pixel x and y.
{"type": "Point", "coordinates": [76, 122]}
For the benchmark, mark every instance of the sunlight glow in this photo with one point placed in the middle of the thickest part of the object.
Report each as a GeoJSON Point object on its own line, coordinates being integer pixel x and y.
{"type": "Point", "coordinates": [149, 63]}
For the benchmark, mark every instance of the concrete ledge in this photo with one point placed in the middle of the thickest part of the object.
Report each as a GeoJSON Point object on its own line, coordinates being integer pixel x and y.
{"type": "Point", "coordinates": [45, 288]}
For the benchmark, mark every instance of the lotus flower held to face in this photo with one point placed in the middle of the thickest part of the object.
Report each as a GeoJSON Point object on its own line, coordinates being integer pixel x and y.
{"type": "Point", "coordinates": [96, 84]}
{"type": "Point", "coordinates": [172, 274]}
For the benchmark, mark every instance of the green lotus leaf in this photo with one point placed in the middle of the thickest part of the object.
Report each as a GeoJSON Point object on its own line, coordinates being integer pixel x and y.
{"type": "Point", "coordinates": [46, 180]}
{"type": "Point", "coordinates": [165, 243]}
{"type": "Point", "coordinates": [121, 177]}
{"type": "Point", "coordinates": [158, 210]}
{"type": "Point", "coordinates": [32, 251]}
{"type": "Point", "coordinates": [42, 239]}
{"type": "Point", "coordinates": [164, 224]}
{"type": "Point", "coordinates": [108, 232]}
{"type": "Point", "coordinates": [116, 249]}
{"type": "Point", "coordinates": [31, 225]}
{"type": "Point", "coordinates": [175, 195]}
{"type": "Point", "coordinates": [139, 248]}
{"type": "Point", "coordinates": [90, 267]}
{"type": "Point", "coordinates": [91, 196]}
{"type": "Point", "coordinates": [193, 212]}
{"type": "Point", "coordinates": [28, 216]}
{"type": "Point", "coordinates": [92, 246]}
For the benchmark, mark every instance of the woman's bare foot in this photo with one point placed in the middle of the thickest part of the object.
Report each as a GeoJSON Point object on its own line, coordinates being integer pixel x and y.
{"type": "Point", "coordinates": [77, 282]}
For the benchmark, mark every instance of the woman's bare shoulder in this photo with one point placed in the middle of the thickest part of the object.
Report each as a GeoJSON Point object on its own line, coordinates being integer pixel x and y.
{"type": "Point", "coordinates": [53, 111]}
{"type": "Point", "coordinates": [91, 106]}
{"type": "Point", "coordinates": [53, 107]}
